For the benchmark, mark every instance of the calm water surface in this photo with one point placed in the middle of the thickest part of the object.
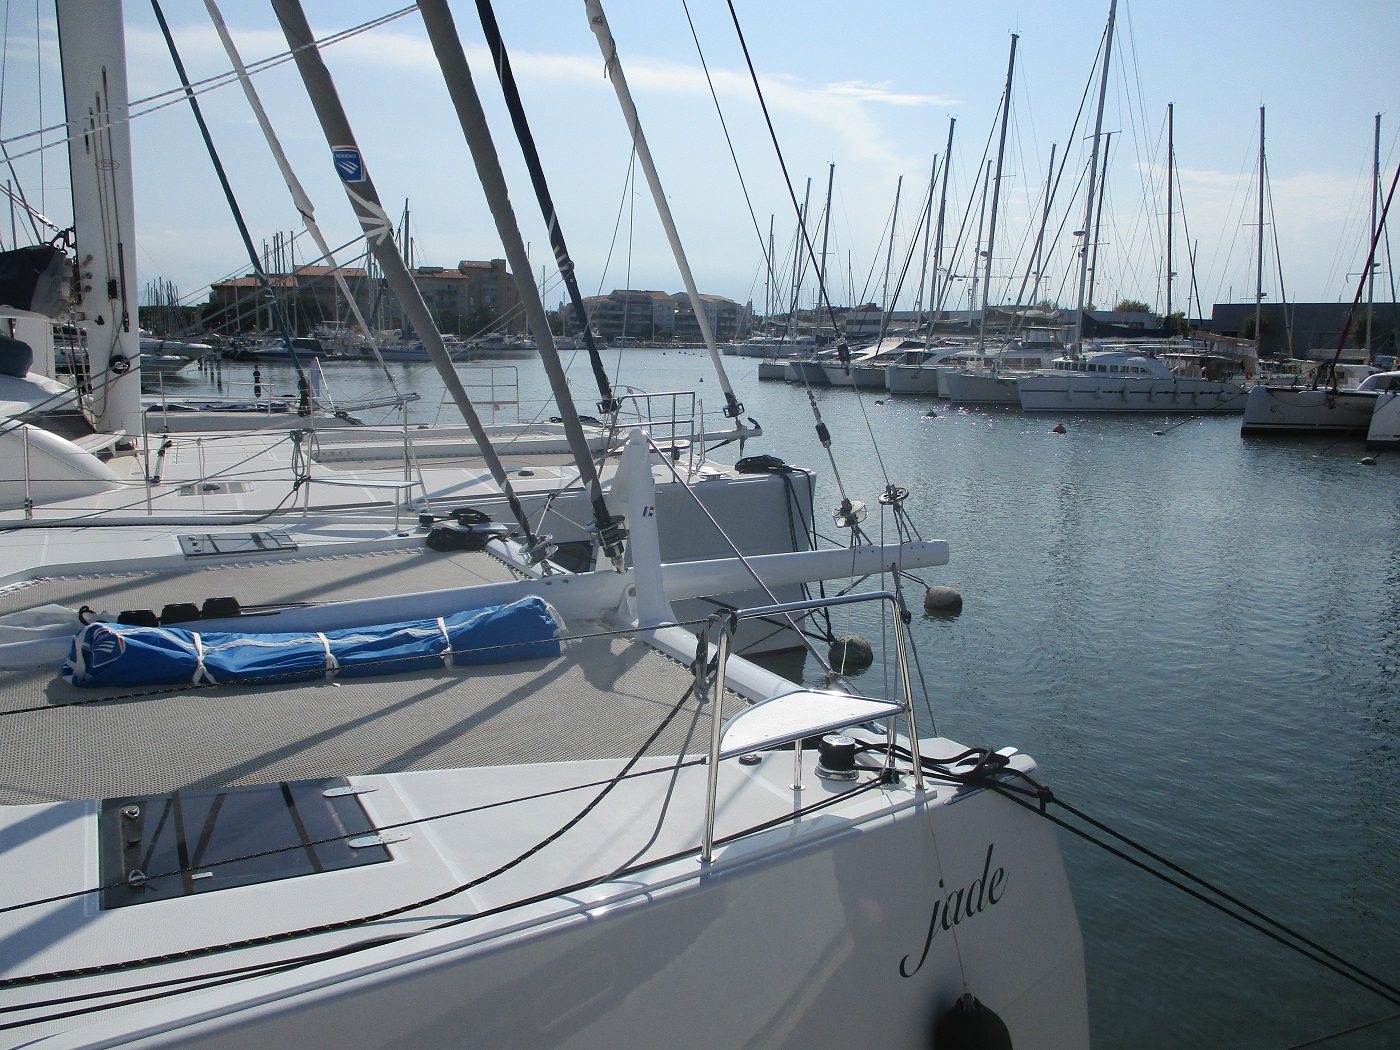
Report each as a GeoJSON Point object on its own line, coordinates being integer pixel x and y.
{"type": "Point", "coordinates": [1197, 636]}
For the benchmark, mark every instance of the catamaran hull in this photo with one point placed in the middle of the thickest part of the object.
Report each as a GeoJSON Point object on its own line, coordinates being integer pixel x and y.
{"type": "Point", "coordinates": [970, 388]}
{"type": "Point", "coordinates": [1280, 410]}
{"type": "Point", "coordinates": [824, 944]}
{"type": "Point", "coordinates": [911, 379]}
{"type": "Point", "coordinates": [1384, 429]}
{"type": "Point", "coordinates": [1091, 392]}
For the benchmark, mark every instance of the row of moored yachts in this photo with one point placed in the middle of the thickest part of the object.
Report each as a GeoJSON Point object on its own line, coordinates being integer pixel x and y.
{"type": "Point", "coordinates": [1136, 376]}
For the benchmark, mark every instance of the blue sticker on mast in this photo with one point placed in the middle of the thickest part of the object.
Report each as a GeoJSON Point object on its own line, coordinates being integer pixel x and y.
{"type": "Point", "coordinates": [348, 163]}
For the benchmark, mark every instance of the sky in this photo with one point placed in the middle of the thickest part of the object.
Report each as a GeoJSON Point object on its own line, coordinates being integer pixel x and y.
{"type": "Point", "coordinates": [869, 88]}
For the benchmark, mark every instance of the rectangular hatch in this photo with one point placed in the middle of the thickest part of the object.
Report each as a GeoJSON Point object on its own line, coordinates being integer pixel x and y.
{"type": "Point", "coordinates": [241, 836]}
{"type": "Point", "coordinates": [236, 543]}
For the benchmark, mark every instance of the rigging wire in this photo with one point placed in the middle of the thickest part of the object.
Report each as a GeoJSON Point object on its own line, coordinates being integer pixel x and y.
{"type": "Point", "coordinates": [174, 96]}
{"type": "Point", "coordinates": [758, 232]}
{"type": "Point", "coordinates": [274, 306]}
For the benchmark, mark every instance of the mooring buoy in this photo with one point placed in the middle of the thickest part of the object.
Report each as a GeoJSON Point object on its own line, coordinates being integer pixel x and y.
{"type": "Point", "coordinates": [942, 601]}
{"type": "Point", "coordinates": [850, 653]}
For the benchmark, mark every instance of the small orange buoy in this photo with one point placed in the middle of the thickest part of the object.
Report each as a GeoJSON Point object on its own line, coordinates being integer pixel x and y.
{"type": "Point", "coordinates": [1058, 428]}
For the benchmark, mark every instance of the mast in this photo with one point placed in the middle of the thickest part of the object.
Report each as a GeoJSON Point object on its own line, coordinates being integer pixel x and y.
{"type": "Point", "coordinates": [1371, 274]}
{"type": "Point", "coordinates": [826, 230]}
{"type": "Point", "coordinates": [378, 228]}
{"type": "Point", "coordinates": [996, 194]}
{"type": "Point", "coordinates": [447, 45]}
{"type": "Point", "coordinates": [1098, 216]}
{"type": "Point", "coordinates": [1078, 342]}
{"type": "Point", "coordinates": [887, 306]}
{"type": "Point", "coordinates": [928, 232]}
{"type": "Point", "coordinates": [1259, 262]}
{"type": "Point", "coordinates": [300, 200]}
{"type": "Point", "coordinates": [937, 303]}
{"type": "Point", "coordinates": [598, 22]}
{"type": "Point", "coordinates": [976, 258]}
{"type": "Point", "coordinates": [1171, 162]}
{"type": "Point", "coordinates": [608, 401]}
{"type": "Point", "coordinates": [768, 282]}
{"type": "Point", "coordinates": [1040, 236]}
{"type": "Point", "coordinates": [93, 50]}
{"type": "Point", "coordinates": [799, 260]}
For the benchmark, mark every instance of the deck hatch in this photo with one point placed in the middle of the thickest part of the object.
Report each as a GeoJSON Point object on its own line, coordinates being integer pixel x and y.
{"type": "Point", "coordinates": [238, 836]}
{"type": "Point", "coordinates": [236, 543]}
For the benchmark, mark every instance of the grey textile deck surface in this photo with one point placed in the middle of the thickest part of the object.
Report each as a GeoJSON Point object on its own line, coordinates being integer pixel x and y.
{"type": "Point", "coordinates": [601, 699]}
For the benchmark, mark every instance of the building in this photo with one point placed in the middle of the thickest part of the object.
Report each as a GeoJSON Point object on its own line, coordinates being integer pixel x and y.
{"type": "Point", "coordinates": [660, 317]}
{"type": "Point", "coordinates": [469, 300]}
{"type": "Point", "coordinates": [1309, 330]}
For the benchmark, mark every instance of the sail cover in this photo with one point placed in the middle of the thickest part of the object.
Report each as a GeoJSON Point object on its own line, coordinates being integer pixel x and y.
{"type": "Point", "coordinates": [106, 654]}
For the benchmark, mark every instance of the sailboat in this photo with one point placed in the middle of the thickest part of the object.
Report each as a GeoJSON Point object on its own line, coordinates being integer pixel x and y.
{"type": "Point", "coordinates": [1129, 377]}
{"type": "Point", "coordinates": [304, 782]}
{"type": "Point", "coordinates": [1329, 404]}
{"type": "Point", "coordinates": [234, 462]}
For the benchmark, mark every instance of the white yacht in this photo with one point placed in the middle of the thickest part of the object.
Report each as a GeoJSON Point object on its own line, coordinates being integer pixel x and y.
{"type": "Point", "coordinates": [991, 377]}
{"type": "Point", "coordinates": [461, 801]}
{"type": "Point", "coordinates": [298, 756]}
{"type": "Point", "coordinates": [1321, 407]}
{"type": "Point", "coordinates": [922, 376]}
{"type": "Point", "coordinates": [771, 347]}
{"type": "Point", "coordinates": [1125, 380]}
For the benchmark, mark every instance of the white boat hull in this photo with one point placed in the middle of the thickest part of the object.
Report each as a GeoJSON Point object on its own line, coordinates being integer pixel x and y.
{"type": "Point", "coordinates": [1095, 392]}
{"type": "Point", "coordinates": [982, 388]}
{"type": "Point", "coordinates": [816, 933]}
{"type": "Point", "coordinates": [1280, 410]}
{"type": "Point", "coordinates": [911, 379]}
{"type": "Point", "coordinates": [1384, 429]}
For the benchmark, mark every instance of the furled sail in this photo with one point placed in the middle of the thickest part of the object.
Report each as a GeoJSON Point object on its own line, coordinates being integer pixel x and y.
{"type": "Point", "coordinates": [106, 654]}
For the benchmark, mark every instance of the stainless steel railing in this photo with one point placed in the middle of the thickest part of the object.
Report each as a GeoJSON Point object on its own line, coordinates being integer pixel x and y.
{"type": "Point", "coordinates": [811, 712]}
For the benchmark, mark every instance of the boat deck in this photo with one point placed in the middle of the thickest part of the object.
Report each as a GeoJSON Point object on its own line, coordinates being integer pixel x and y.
{"type": "Point", "coordinates": [601, 699]}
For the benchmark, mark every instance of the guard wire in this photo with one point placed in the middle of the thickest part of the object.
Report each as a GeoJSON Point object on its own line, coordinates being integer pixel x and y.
{"type": "Point", "coordinates": [282, 966]}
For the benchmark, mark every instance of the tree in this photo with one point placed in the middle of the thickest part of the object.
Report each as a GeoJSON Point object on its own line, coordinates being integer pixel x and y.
{"type": "Point", "coordinates": [479, 320]}
{"type": "Point", "coordinates": [1178, 321]}
{"type": "Point", "coordinates": [1132, 306]}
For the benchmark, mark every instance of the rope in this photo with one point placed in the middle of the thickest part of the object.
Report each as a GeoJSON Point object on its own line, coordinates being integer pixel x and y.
{"type": "Point", "coordinates": [1037, 798]}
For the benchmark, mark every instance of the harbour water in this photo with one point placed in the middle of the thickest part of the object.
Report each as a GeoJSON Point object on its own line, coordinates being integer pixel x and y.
{"type": "Point", "coordinates": [1196, 635]}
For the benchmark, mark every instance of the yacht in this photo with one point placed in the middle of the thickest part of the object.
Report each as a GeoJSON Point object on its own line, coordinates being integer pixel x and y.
{"type": "Point", "coordinates": [991, 377]}
{"type": "Point", "coordinates": [1125, 379]}
{"type": "Point", "coordinates": [330, 758]}
{"type": "Point", "coordinates": [1326, 406]}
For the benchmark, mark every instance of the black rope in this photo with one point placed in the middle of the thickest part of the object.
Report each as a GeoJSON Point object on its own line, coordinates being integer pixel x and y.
{"type": "Point", "coordinates": [257, 970]}
{"type": "Point", "coordinates": [1345, 1031]}
{"type": "Point", "coordinates": [388, 913]}
{"type": "Point", "coordinates": [989, 772]}
{"type": "Point", "coordinates": [328, 840]}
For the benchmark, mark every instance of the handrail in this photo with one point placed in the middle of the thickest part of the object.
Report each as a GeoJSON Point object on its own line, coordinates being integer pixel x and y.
{"type": "Point", "coordinates": [679, 425]}
{"type": "Point", "coordinates": [722, 625]}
